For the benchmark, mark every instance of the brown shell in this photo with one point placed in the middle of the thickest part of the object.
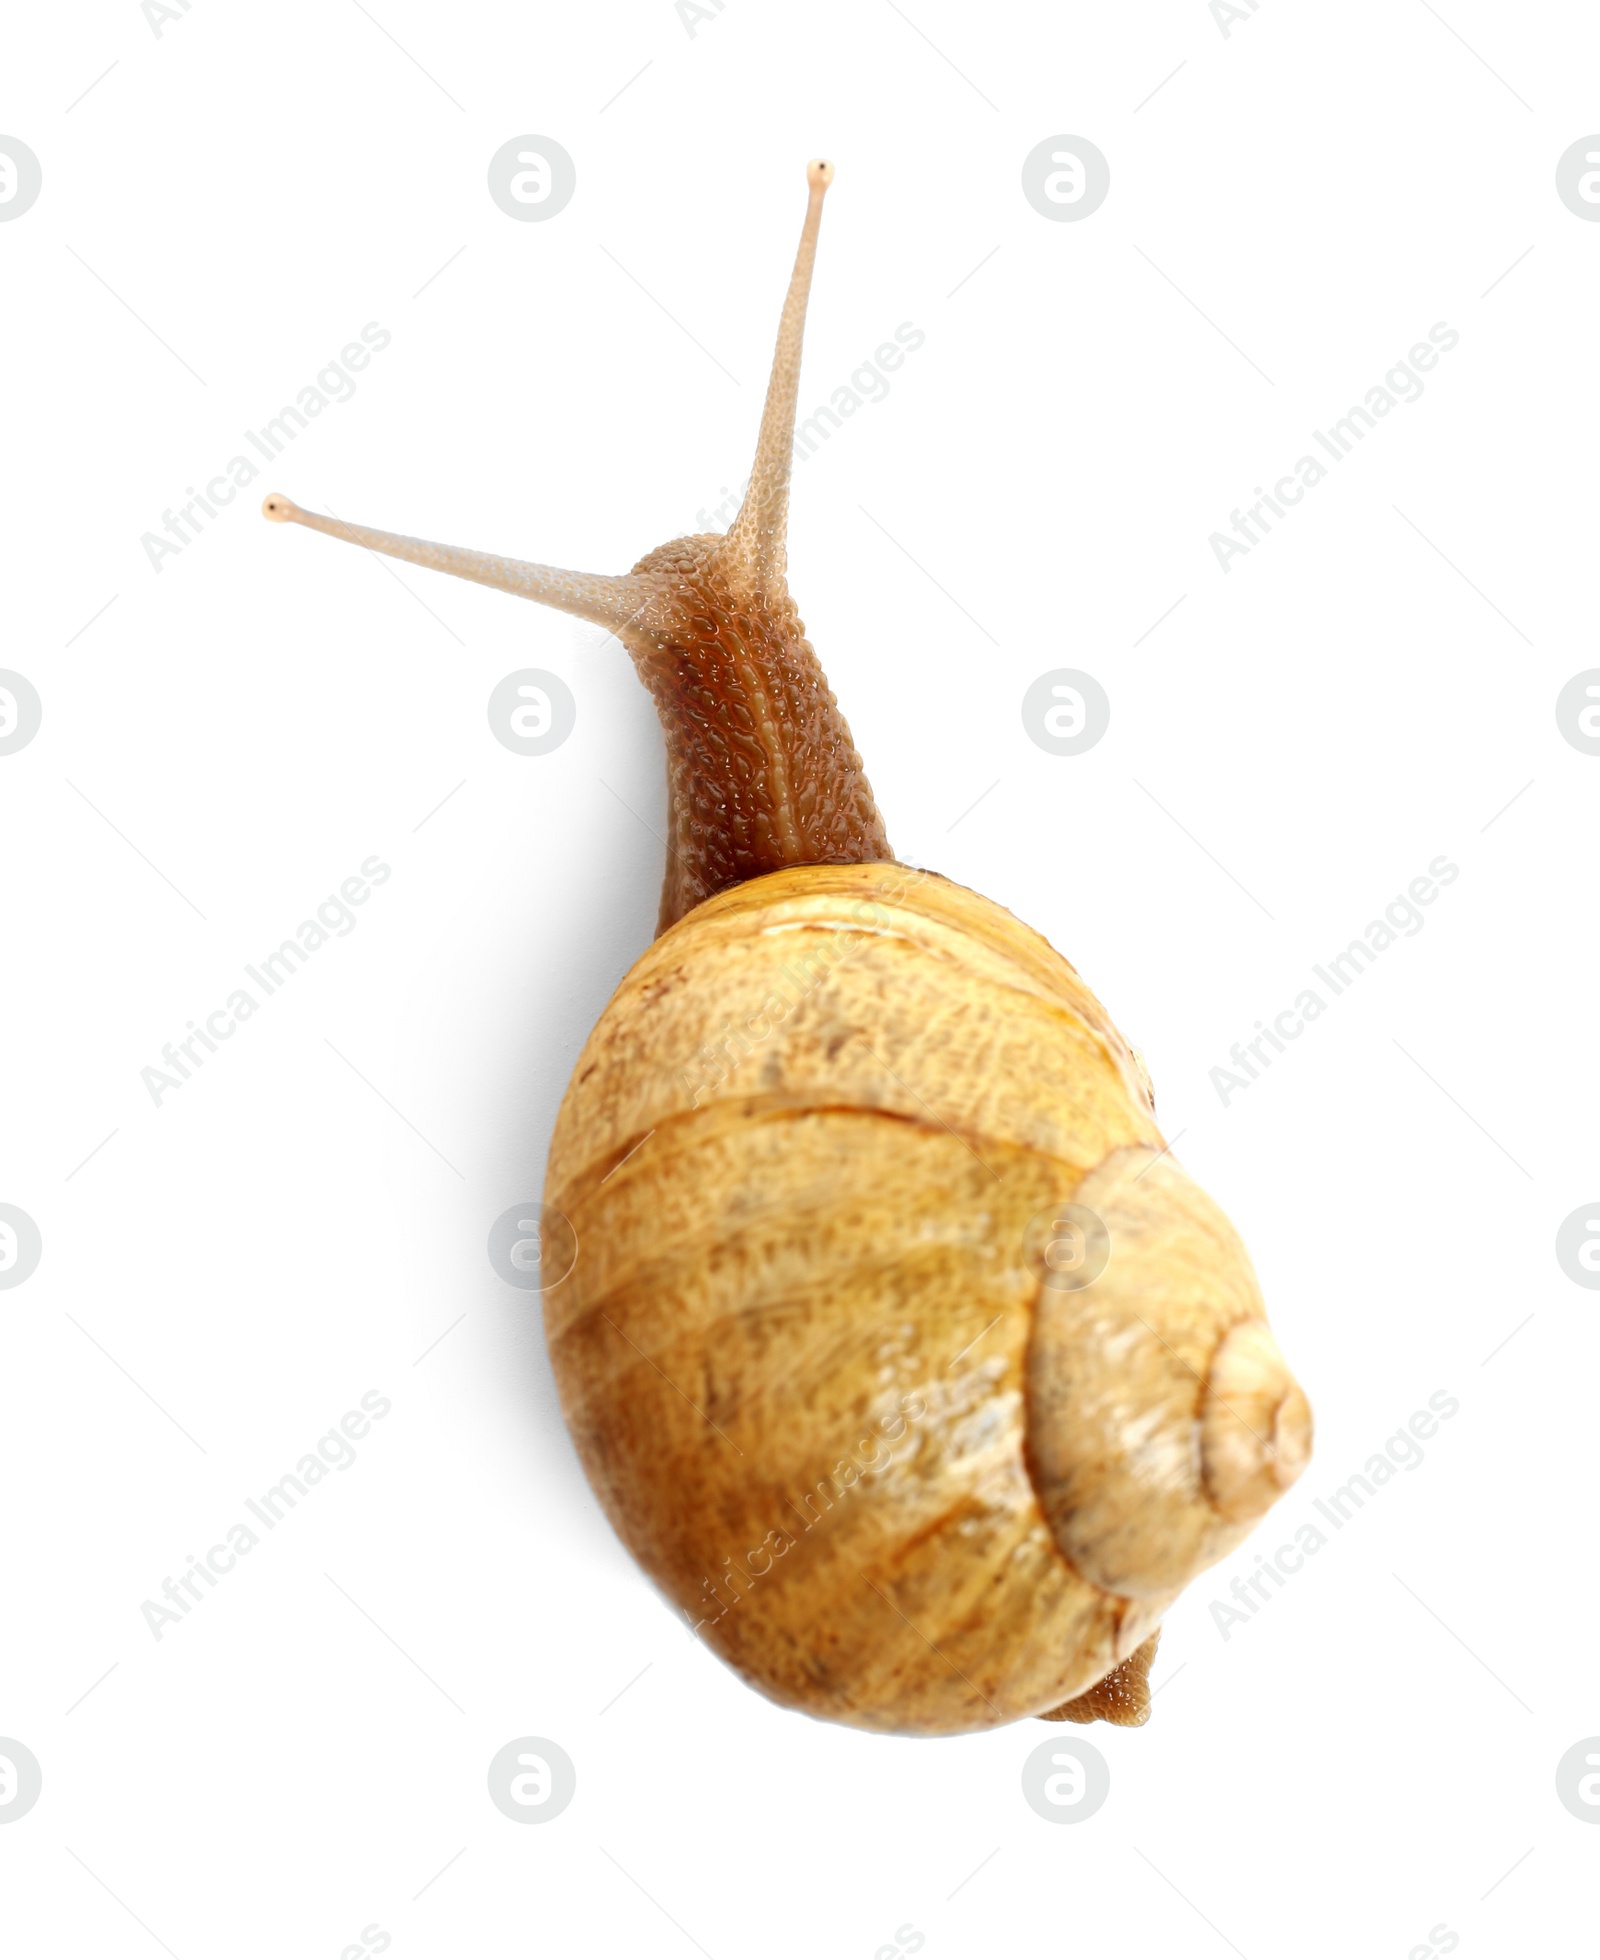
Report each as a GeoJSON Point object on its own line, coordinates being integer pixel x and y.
{"type": "Point", "coordinates": [897, 1461]}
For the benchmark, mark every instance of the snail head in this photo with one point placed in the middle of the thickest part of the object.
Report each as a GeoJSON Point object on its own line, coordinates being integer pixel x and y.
{"type": "Point", "coordinates": [761, 769]}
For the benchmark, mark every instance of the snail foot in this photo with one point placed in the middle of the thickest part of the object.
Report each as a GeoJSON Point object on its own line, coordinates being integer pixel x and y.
{"type": "Point", "coordinates": [1122, 1696]}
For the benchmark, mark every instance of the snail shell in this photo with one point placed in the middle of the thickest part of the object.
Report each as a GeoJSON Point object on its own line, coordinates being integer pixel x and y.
{"type": "Point", "coordinates": [827, 1350]}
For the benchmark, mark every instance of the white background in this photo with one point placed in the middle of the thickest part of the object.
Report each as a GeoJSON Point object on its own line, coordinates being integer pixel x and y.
{"type": "Point", "coordinates": [305, 1220]}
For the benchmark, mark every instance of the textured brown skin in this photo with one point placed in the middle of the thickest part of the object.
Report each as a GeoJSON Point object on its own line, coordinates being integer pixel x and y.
{"type": "Point", "coordinates": [1122, 1698]}
{"type": "Point", "coordinates": [761, 770]}
{"type": "Point", "coordinates": [813, 1347]}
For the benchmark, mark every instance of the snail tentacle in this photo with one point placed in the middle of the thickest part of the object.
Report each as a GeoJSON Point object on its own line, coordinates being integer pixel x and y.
{"type": "Point", "coordinates": [755, 550]}
{"type": "Point", "coordinates": [607, 601]}
{"type": "Point", "coordinates": [762, 772]}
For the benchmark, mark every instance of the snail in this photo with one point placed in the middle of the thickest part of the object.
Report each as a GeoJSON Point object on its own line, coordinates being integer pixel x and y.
{"type": "Point", "coordinates": [896, 1346]}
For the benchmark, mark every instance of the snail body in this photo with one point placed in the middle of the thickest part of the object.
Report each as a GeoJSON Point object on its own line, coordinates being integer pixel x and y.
{"type": "Point", "coordinates": [895, 1344]}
